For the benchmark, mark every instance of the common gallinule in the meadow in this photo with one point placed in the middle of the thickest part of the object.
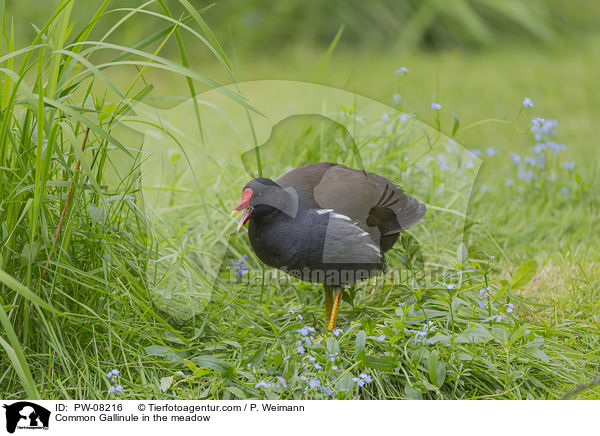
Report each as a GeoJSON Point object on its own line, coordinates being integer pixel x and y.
{"type": "Point", "coordinates": [326, 223]}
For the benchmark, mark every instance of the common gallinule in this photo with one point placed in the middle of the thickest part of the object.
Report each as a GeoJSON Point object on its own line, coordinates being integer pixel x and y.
{"type": "Point", "coordinates": [326, 223]}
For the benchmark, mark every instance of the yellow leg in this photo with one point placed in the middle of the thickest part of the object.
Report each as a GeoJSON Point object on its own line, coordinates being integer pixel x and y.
{"type": "Point", "coordinates": [328, 301]}
{"type": "Point", "coordinates": [336, 307]}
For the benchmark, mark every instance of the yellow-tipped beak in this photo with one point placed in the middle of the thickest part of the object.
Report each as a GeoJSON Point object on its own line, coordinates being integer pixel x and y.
{"type": "Point", "coordinates": [233, 212]}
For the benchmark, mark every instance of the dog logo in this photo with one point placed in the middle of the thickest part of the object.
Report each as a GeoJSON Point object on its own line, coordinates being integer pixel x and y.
{"type": "Point", "coordinates": [26, 415]}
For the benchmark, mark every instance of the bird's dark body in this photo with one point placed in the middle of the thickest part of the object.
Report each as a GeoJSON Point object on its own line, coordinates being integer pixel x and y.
{"type": "Point", "coordinates": [344, 222]}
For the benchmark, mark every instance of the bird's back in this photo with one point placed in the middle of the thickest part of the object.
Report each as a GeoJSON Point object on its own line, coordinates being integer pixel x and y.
{"type": "Point", "coordinates": [370, 201]}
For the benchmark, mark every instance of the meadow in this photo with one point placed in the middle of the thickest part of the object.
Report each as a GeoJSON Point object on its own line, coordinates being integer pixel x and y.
{"type": "Point", "coordinates": [122, 274]}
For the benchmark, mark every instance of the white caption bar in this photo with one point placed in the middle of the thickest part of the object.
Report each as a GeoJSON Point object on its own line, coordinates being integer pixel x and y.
{"type": "Point", "coordinates": [256, 417]}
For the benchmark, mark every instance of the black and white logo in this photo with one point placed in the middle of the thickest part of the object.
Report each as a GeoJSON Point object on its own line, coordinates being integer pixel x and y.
{"type": "Point", "coordinates": [26, 415]}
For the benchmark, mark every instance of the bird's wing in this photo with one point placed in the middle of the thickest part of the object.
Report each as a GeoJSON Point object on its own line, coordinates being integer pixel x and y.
{"type": "Point", "coordinates": [303, 180]}
{"type": "Point", "coordinates": [346, 243]}
{"type": "Point", "coordinates": [369, 199]}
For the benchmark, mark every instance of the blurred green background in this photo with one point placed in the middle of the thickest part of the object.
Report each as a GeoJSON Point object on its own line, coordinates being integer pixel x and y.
{"type": "Point", "coordinates": [265, 27]}
{"type": "Point", "coordinates": [478, 58]}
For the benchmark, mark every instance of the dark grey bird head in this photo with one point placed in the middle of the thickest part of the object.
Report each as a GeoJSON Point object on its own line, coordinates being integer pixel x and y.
{"type": "Point", "coordinates": [263, 198]}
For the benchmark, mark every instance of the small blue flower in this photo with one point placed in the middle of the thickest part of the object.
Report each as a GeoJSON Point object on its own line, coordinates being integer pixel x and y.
{"type": "Point", "coordinates": [327, 391]}
{"type": "Point", "coordinates": [304, 331]}
{"type": "Point", "coordinates": [498, 318]}
{"type": "Point", "coordinates": [539, 147]}
{"type": "Point", "coordinates": [365, 377]}
{"type": "Point", "coordinates": [381, 338]}
{"type": "Point", "coordinates": [301, 349]}
{"type": "Point", "coordinates": [299, 317]}
{"type": "Point", "coordinates": [281, 381]}
{"type": "Point", "coordinates": [359, 381]}
{"type": "Point", "coordinates": [334, 368]}
{"type": "Point", "coordinates": [543, 128]}
{"type": "Point", "coordinates": [509, 182]}
{"type": "Point", "coordinates": [531, 161]}
{"type": "Point", "coordinates": [337, 332]}
{"type": "Point", "coordinates": [119, 388]}
{"type": "Point", "coordinates": [565, 190]}
{"type": "Point", "coordinates": [556, 147]}
{"type": "Point", "coordinates": [385, 117]}
{"type": "Point", "coordinates": [422, 334]}
{"type": "Point", "coordinates": [527, 102]}
{"type": "Point", "coordinates": [239, 267]}
{"type": "Point", "coordinates": [510, 308]}
{"type": "Point", "coordinates": [332, 357]}
{"type": "Point", "coordinates": [569, 165]}
{"type": "Point", "coordinates": [525, 175]}
{"type": "Point", "coordinates": [516, 158]}
{"type": "Point", "coordinates": [362, 379]}
{"type": "Point", "coordinates": [312, 358]}
{"type": "Point", "coordinates": [493, 151]}
{"type": "Point", "coordinates": [476, 152]}
{"type": "Point", "coordinates": [435, 106]}
{"type": "Point", "coordinates": [317, 366]}
{"type": "Point", "coordinates": [397, 100]}
{"type": "Point", "coordinates": [451, 286]}
{"type": "Point", "coordinates": [401, 70]}
{"type": "Point", "coordinates": [263, 385]}
{"type": "Point", "coordinates": [403, 118]}
{"type": "Point", "coordinates": [111, 390]}
{"type": "Point", "coordinates": [312, 383]}
{"type": "Point", "coordinates": [542, 160]}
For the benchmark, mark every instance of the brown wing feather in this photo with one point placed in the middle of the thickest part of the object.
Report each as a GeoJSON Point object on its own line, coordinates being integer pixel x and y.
{"type": "Point", "coordinates": [376, 204]}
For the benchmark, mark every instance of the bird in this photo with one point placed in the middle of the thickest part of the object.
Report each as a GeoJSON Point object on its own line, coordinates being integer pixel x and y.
{"type": "Point", "coordinates": [326, 223]}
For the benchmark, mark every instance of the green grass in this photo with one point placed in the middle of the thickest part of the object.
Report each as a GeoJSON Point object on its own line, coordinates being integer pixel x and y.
{"type": "Point", "coordinates": [121, 282]}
